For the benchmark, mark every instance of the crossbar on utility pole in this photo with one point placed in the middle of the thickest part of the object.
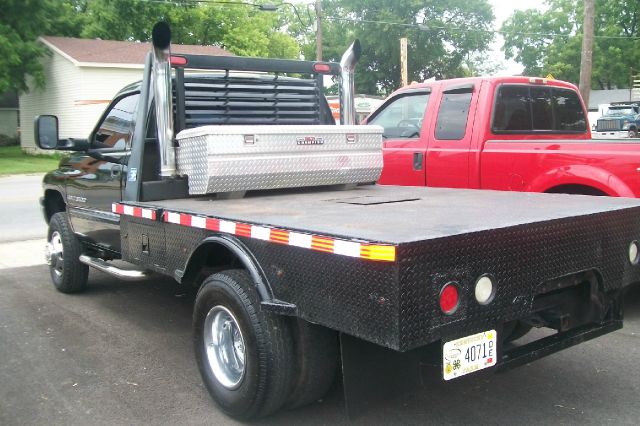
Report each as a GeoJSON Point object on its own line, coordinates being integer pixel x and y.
{"type": "Point", "coordinates": [586, 61]}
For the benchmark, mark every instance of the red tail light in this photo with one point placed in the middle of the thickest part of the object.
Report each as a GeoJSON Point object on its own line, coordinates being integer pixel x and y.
{"type": "Point", "coordinates": [449, 298]}
{"type": "Point", "coordinates": [178, 61]}
{"type": "Point", "coordinates": [321, 68]}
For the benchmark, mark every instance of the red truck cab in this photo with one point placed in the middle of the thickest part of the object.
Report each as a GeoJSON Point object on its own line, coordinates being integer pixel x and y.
{"type": "Point", "coordinates": [504, 133]}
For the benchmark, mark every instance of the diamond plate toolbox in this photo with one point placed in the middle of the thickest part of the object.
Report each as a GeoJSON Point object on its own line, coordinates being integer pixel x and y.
{"type": "Point", "coordinates": [221, 159]}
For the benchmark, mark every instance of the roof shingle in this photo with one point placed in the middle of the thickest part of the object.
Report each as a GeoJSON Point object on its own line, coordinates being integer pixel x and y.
{"type": "Point", "coordinates": [120, 52]}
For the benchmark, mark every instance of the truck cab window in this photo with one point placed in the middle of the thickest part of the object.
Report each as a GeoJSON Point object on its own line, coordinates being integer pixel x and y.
{"type": "Point", "coordinates": [453, 115]}
{"type": "Point", "coordinates": [114, 132]}
{"type": "Point", "coordinates": [402, 117]}
{"type": "Point", "coordinates": [527, 109]}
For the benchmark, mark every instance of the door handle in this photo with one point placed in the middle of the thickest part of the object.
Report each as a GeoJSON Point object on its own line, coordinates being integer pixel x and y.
{"type": "Point", "coordinates": [418, 158]}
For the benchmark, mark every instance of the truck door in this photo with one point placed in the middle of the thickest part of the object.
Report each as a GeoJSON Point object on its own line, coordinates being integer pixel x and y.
{"type": "Point", "coordinates": [449, 146]}
{"type": "Point", "coordinates": [404, 148]}
{"type": "Point", "coordinates": [94, 184]}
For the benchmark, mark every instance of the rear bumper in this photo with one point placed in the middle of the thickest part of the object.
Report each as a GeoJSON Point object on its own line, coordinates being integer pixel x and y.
{"type": "Point", "coordinates": [610, 134]}
{"type": "Point", "coordinates": [548, 345]}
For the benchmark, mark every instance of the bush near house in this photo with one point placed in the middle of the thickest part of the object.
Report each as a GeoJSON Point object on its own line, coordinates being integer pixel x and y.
{"type": "Point", "coordinates": [8, 140]}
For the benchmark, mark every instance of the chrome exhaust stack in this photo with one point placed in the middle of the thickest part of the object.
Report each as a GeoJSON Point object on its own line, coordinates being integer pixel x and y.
{"type": "Point", "coordinates": [347, 85]}
{"type": "Point", "coordinates": [163, 99]}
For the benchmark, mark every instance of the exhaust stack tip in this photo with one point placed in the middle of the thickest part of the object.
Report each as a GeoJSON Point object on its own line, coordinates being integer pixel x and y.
{"type": "Point", "coordinates": [357, 50]}
{"type": "Point", "coordinates": [161, 35]}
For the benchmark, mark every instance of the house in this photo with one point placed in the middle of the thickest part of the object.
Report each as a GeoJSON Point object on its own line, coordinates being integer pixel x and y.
{"type": "Point", "coordinates": [8, 115]}
{"type": "Point", "coordinates": [82, 76]}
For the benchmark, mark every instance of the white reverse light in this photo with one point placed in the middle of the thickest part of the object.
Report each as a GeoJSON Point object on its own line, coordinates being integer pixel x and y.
{"type": "Point", "coordinates": [634, 252]}
{"type": "Point", "coordinates": [484, 290]}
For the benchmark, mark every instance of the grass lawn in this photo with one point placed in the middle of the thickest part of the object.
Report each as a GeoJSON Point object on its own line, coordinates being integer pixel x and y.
{"type": "Point", "coordinates": [14, 161]}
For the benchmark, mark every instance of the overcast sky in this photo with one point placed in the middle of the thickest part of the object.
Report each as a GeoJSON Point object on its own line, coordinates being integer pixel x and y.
{"type": "Point", "coordinates": [502, 9]}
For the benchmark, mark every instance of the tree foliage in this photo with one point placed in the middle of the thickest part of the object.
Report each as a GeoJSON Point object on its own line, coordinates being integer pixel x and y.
{"type": "Point", "coordinates": [239, 28]}
{"type": "Point", "coordinates": [442, 36]}
{"type": "Point", "coordinates": [551, 41]}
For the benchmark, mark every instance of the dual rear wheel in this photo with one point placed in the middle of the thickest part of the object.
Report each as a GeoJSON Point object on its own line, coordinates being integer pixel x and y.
{"type": "Point", "coordinates": [252, 361]}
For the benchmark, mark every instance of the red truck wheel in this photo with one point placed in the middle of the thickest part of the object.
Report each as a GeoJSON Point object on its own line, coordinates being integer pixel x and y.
{"type": "Point", "coordinates": [63, 249]}
{"type": "Point", "coordinates": [244, 354]}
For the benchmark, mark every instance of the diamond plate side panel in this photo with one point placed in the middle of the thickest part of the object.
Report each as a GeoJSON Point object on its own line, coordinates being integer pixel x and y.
{"type": "Point", "coordinates": [354, 296]}
{"type": "Point", "coordinates": [519, 258]}
{"type": "Point", "coordinates": [217, 159]}
{"type": "Point", "coordinates": [131, 231]}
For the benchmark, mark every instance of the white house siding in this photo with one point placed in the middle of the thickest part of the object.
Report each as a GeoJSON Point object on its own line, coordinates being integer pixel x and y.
{"type": "Point", "coordinates": [76, 95]}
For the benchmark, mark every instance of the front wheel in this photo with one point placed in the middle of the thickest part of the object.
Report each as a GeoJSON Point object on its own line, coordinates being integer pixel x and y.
{"type": "Point", "coordinates": [244, 354]}
{"type": "Point", "coordinates": [63, 249]}
{"type": "Point", "coordinates": [633, 133]}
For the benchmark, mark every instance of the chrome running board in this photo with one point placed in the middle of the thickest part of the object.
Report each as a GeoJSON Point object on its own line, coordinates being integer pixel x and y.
{"type": "Point", "coordinates": [104, 266]}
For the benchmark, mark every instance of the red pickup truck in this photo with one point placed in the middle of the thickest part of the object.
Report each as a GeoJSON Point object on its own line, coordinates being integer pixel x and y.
{"type": "Point", "coordinates": [504, 133]}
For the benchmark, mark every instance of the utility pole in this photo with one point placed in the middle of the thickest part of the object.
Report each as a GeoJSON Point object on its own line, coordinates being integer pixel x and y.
{"type": "Point", "coordinates": [318, 31]}
{"type": "Point", "coordinates": [404, 78]}
{"type": "Point", "coordinates": [586, 62]}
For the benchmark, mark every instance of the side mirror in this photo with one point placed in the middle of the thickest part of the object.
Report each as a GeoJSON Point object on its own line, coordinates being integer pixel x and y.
{"type": "Point", "coordinates": [46, 131]}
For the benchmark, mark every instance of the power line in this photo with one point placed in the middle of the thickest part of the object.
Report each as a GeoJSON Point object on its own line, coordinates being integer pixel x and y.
{"type": "Point", "coordinates": [421, 27]}
{"type": "Point", "coordinates": [427, 27]}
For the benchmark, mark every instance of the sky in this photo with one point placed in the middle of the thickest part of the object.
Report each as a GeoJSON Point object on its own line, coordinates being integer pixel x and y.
{"type": "Point", "coordinates": [502, 9]}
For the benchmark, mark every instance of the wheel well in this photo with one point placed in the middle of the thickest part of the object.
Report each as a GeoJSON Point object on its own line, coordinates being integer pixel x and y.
{"type": "Point", "coordinates": [53, 203]}
{"type": "Point", "coordinates": [208, 259]}
{"type": "Point", "coordinates": [576, 189]}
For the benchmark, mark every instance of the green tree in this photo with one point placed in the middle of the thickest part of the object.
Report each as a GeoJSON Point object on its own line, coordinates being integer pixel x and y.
{"type": "Point", "coordinates": [242, 29]}
{"type": "Point", "coordinates": [550, 41]}
{"type": "Point", "coordinates": [441, 36]}
{"type": "Point", "coordinates": [21, 23]}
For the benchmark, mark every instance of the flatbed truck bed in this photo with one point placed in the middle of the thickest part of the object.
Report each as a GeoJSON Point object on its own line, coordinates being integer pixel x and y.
{"type": "Point", "coordinates": [370, 262]}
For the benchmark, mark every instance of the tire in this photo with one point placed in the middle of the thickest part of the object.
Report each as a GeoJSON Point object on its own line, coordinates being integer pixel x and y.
{"type": "Point", "coordinates": [633, 133]}
{"type": "Point", "coordinates": [68, 274]}
{"type": "Point", "coordinates": [317, 361]}
{"type": "Point", "coordinates": [246, 364]}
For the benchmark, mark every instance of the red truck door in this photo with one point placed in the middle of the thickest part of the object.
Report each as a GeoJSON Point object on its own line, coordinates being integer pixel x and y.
{"type": "Point", "coordinates": [447, 161]}
{"type": "Point", "coordinates": [404, 147]}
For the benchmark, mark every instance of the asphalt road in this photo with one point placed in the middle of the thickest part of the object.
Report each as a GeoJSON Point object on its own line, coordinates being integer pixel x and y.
{"type": "Point", "coordinates": [20, 216]}
{"type": "Point", "coordinates": [121, 354]}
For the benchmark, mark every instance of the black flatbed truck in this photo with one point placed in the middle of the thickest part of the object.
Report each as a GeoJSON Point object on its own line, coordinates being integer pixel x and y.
{"type": "Point", "coordinates": [387, 277]}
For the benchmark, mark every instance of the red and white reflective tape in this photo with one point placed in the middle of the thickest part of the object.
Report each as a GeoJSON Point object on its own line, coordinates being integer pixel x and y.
{"type": "Point", "coordinates": [363, 250]}
{"type": "Point", "coordinates": [133, 211]}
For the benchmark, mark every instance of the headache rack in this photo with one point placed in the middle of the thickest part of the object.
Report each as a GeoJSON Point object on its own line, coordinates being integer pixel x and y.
{"type": "Point", "coordinates": [231, 97]}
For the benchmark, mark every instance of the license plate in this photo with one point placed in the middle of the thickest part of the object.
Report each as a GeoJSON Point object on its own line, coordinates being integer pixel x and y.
{"type": "Point", "coordinates": [469, 354]}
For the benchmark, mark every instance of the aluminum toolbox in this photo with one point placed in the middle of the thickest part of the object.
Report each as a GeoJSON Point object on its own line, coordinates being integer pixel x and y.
{"type": "Point", "coordinates": [238, 158]}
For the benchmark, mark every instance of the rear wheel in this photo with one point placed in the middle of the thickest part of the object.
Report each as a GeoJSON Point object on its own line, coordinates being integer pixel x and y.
{"type": "Point", "coordinates": [317, 361]}
{"type": "Point", "coordinates": [245, 355]}
{"type": "Point", "coordinates": [68, 274]}
{"type": "Point", "coordinates": [633, 133]}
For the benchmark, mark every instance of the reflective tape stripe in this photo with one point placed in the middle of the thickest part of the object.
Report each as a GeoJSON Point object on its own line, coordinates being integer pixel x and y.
{"type": "Point", "coordinates": [133, 211]}
{"type": "Point", "coordinates": [362, 250]}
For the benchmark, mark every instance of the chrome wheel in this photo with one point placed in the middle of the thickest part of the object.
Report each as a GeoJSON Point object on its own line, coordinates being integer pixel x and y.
{"type": "Point", "coordinates": [54, 253]}
{"type": "Point", "coordinates": [224, 346]}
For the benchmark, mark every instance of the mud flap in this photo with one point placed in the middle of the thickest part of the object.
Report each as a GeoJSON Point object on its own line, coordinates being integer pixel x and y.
{"type": "Point", "coordinates": [372, 374]}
